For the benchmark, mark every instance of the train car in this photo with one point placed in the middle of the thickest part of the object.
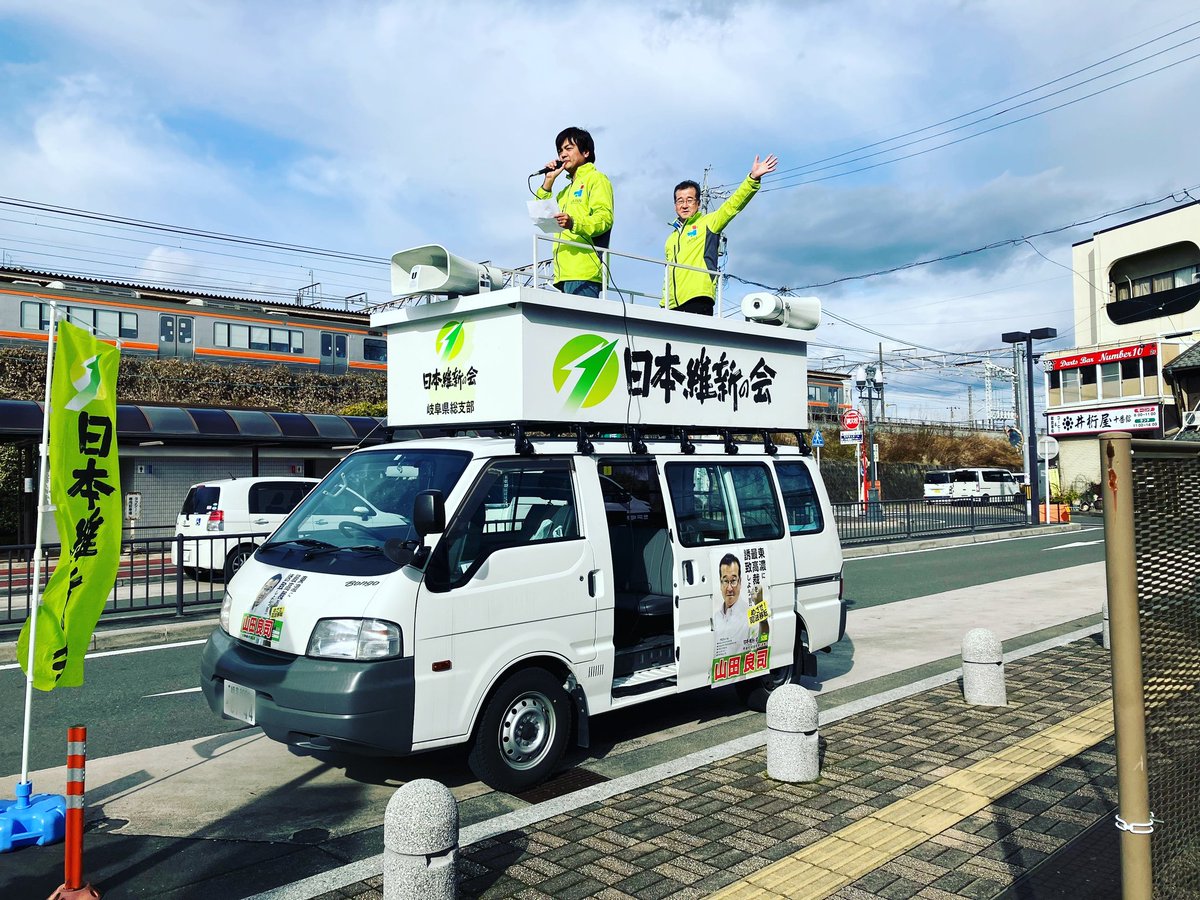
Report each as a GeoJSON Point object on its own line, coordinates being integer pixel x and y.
{"type": "Point", "coordinates": [210, 328]}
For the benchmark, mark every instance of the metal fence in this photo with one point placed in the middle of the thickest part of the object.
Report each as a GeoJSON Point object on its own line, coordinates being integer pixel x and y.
{"type": "Point", "coordinates": [891, 520]}
{"type": "Point", "coordinates": [149, 579]}
{"type": "Point", "coordinates": [1166, 498]}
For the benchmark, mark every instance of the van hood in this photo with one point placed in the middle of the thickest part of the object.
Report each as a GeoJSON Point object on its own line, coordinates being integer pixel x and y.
{"type": "Point", "coordinates": [278, 608]}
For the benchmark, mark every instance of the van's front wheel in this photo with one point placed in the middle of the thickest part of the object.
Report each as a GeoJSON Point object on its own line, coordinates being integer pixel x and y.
{"type": "Point", "coordinates": [521, 736]}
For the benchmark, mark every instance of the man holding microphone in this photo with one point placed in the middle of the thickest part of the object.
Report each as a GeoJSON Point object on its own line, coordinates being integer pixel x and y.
{"type": "Point", "coordinates": [696, 238]}
{"type": "Point", "coordinates": [585, 212]}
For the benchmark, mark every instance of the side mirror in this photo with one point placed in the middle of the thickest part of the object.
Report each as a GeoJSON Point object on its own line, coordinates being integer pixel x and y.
{"type": "Point", "coordinates": [429, 513]}
{"type": "Point", "coordinates": [398, 551]}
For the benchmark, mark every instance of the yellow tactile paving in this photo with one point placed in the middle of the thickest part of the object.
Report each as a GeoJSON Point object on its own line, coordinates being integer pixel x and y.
{"type": "Point", "coordinates": [841, 858]}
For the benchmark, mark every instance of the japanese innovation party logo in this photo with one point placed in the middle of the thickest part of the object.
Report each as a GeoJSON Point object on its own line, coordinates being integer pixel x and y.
{"type": "Point", "coordinates": [450, 340]}
{"type": "Point", "coordinates": [587, 366]}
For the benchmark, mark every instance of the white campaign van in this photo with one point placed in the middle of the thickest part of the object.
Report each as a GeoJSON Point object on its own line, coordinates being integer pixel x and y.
{"type": "Point", "coordinates": [985, 485]}
{"type": "Point", "coordinates": [219, 518]}
{"type": "Point", "coordinates": [500, 590]}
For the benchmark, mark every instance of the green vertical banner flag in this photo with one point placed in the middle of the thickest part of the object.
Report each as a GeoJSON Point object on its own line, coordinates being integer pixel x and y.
{"type": "Point", "coordinates": [85, 488]}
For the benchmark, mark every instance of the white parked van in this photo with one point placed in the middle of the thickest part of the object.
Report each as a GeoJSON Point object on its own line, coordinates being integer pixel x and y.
{"type": "Point", "coordinates": [985, 485]}
{"type": "Point", "coordinates": [237, 508]}
{"type": "Point", "coordinates": [938, 486]}
{"type": "Point", "coordinates": [501, 590]}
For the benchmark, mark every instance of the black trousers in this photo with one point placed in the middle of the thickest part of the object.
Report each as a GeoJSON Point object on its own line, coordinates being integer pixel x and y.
{"type": "Point", "coordinates": [701, 306]}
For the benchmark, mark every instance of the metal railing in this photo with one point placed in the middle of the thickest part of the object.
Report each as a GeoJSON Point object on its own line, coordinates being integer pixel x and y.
{"type": "Point", "coordinates": [606, 254]}
{"type": "Point", "coordinates": [894, 520]}
{"type": "Point", "coordinates": [150, 577]}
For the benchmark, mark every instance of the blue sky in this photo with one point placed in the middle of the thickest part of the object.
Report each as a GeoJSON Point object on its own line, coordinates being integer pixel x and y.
{"type": "Point", "coordinates": [371, 127]}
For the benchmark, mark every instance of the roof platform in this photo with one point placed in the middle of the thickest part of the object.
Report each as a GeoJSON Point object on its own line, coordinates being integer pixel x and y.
{"type": "Point", "coordinates": [523, 355]}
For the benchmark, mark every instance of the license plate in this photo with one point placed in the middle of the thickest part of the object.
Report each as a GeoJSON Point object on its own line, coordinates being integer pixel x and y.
{"type": "Point", "coordinates": [239, 702]}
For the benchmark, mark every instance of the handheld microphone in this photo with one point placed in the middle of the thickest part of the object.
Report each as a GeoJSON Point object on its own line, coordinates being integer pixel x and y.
{"type": "Point", "coordinates": [544, 169]}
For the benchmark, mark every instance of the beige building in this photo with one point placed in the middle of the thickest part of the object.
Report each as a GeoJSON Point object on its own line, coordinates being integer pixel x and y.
{"type": "Point", "coordinates": [1137, 304]}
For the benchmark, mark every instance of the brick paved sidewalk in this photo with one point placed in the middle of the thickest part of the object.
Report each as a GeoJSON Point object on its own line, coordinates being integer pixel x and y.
{"type": "Point", "coordinates": [693, 834]}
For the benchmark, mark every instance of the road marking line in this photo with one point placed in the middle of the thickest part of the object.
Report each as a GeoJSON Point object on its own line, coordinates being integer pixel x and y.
{"type": "Point", "coordinates": [1074, 544]}
{"type": "Point", "coordinates": [194, 690]}
{"type": "Point", "coordinates": [122, 652]}
{"type": "Point", "coordinates": [1027, 537]}
{"type": "Point", "coordinates": [847, 855]}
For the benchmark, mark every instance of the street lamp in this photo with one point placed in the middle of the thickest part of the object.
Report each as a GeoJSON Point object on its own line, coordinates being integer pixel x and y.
{"type": "Point", "coordinates": [1028, 337]}
{"type": "Point", "coordinates": [869, 382]}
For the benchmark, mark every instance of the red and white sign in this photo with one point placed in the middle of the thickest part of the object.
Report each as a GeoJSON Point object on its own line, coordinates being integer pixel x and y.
{"type": "Point", "coordinates": [851, 419]}
{"type": "Point", "coordinates": [1093, 421]}
{"type": "Point", "coordinates": [1096, 357]}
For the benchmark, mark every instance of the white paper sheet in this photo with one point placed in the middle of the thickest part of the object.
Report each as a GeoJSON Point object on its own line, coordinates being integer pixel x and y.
{"type": "Point", "coordinates": [542, 212]}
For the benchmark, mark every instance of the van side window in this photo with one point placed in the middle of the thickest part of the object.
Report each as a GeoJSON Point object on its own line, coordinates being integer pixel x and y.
{"type": "Point", "coordinates": [276, 497]}
{"type": "Point", "coordinates": [799, 498]}
{"type": "Point", "coordinates": [723, 502]}
{"type": "Point", "coordinates": [513, 502]}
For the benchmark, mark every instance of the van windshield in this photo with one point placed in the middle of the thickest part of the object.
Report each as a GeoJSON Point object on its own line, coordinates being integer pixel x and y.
{"type": "Point", "coordinates": [368, 499]}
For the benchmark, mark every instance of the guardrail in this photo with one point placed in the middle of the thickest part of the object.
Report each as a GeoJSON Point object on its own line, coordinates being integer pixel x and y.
{"type": "Point", "coordinates": [150, 577]}
{"type": "Point", "coordinates": [893, 520]}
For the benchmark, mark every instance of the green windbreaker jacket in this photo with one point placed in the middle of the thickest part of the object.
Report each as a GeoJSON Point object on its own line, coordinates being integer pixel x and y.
{"type": "Point", "coordinates": [695, 242]}
{"type": "Point", "coordinates": [588, 199]}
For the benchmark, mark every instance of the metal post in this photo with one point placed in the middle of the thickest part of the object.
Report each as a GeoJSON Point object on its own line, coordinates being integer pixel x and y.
{"type": "Point", "coordinates": [1031, 435]}
{"type": "Point", "coordinates": [1129, 713]}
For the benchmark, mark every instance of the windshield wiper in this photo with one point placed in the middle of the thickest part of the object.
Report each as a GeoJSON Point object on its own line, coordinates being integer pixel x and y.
{"type": "Point", "coordinates": [330, 548]}
{"type": "Point", "coordinates": [303, 542]}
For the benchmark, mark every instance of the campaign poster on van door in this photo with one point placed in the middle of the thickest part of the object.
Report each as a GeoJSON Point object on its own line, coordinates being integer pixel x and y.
{"type": "Point", "coordinates": [741, 614]}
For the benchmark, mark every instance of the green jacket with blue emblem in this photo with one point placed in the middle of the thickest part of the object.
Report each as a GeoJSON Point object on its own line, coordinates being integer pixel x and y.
{"type": "Point", "coordinates": [588, 199]}
{"type": "Point", "coordinates": [695, 243]}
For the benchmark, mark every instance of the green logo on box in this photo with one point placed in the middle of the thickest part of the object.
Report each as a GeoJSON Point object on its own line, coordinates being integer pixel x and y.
{"type": "Point", "coordinates": [594, 359]}
{"type": "Point", "coordinates": [450, 339]}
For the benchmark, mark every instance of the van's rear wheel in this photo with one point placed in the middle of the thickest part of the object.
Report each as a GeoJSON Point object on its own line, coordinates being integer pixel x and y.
{"type": "Point", "coordinates": [521, 736]}
{"type": "Point", "coordinates": [754, 692]}
{"type": "Point", "coordinates": [236, 559]}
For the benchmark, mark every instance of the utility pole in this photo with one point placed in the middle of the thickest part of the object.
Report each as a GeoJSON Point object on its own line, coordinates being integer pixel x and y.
{"type": "Point", "coordinates": [704, 189]}
{"type": "Point", "coordinates": [970, 405]}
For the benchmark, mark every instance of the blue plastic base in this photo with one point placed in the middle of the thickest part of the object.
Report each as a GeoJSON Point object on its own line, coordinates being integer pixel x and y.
{"type": "Point", "coordinates": [32, 819]}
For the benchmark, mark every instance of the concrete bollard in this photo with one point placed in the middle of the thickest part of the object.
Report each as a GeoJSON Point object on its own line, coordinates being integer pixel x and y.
{"type": "Point", "coordinates": [420, 843]}
{"type": "Point", "coordinates": [983, 669]}
{"type": "Point", "coordinates": [793, 747]}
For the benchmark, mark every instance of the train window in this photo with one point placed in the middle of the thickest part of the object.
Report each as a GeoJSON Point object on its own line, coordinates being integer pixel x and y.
{"type": "Point", "coordinates": [108, 323]}
{"type": "Point", "coordinates": [239, 336]}
{"type": "Point", "coordinates": [374, 350]}
{"type": "Point", "coordinates": [129, 326]}
{"type": "Point", "coordinates": [326, 344]}
{"type": "Point", "coordinates": [35, 316]}
{"type": "Point", "coordinates": [185, 329]}
{"type": "Point", "coordinates": [280, 341]}
{"type": "Point", "coordinates": [339, 346]}
{"type": "Point", "coordinates": [259, 338]}
{"type": "Point", "coordinates": [220, 334]}
{"type": "Point", "coordinates": [82, 317]}
{"type": "Point", "coordinates": [166, 329]}
{"type": "Point", "coordinates": [297, 341]}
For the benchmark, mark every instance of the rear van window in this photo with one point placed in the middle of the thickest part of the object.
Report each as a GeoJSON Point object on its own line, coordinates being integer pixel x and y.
{"type": "Point", "coordinates": [200, 500]}
{"type": "Point", "coordinates": [937, 477]}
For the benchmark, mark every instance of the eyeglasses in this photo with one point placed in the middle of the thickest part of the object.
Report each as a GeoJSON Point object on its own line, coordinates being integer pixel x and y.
{"type": "Point", "coordinates": [685, 201]}
{"type": "Point", "coordinates": [731, 582]}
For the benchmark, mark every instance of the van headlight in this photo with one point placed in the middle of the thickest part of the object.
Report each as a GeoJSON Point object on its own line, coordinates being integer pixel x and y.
{"type": "Point", "coordinates": [225, 606]}
{"type": "Point", "coordinates": [355, 639]}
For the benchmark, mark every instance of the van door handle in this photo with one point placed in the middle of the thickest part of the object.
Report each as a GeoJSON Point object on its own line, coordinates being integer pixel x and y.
{"type": "Point", "coordinates": [260, 521]}
{"type": "Point", "coordinates": [688, 574]}
{"type": "Point", "coordinates": [592, 582]}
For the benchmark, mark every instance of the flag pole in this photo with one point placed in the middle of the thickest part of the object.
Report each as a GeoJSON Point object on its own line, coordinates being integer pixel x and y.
{"type": "Point", "coordinates": [43, 502]}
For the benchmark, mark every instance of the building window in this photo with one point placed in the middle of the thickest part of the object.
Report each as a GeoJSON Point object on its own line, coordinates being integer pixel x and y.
{"type": "Point", "coordinates": [1070, 386]}
{"type": "Point", "coordinates": [1110, 380]}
